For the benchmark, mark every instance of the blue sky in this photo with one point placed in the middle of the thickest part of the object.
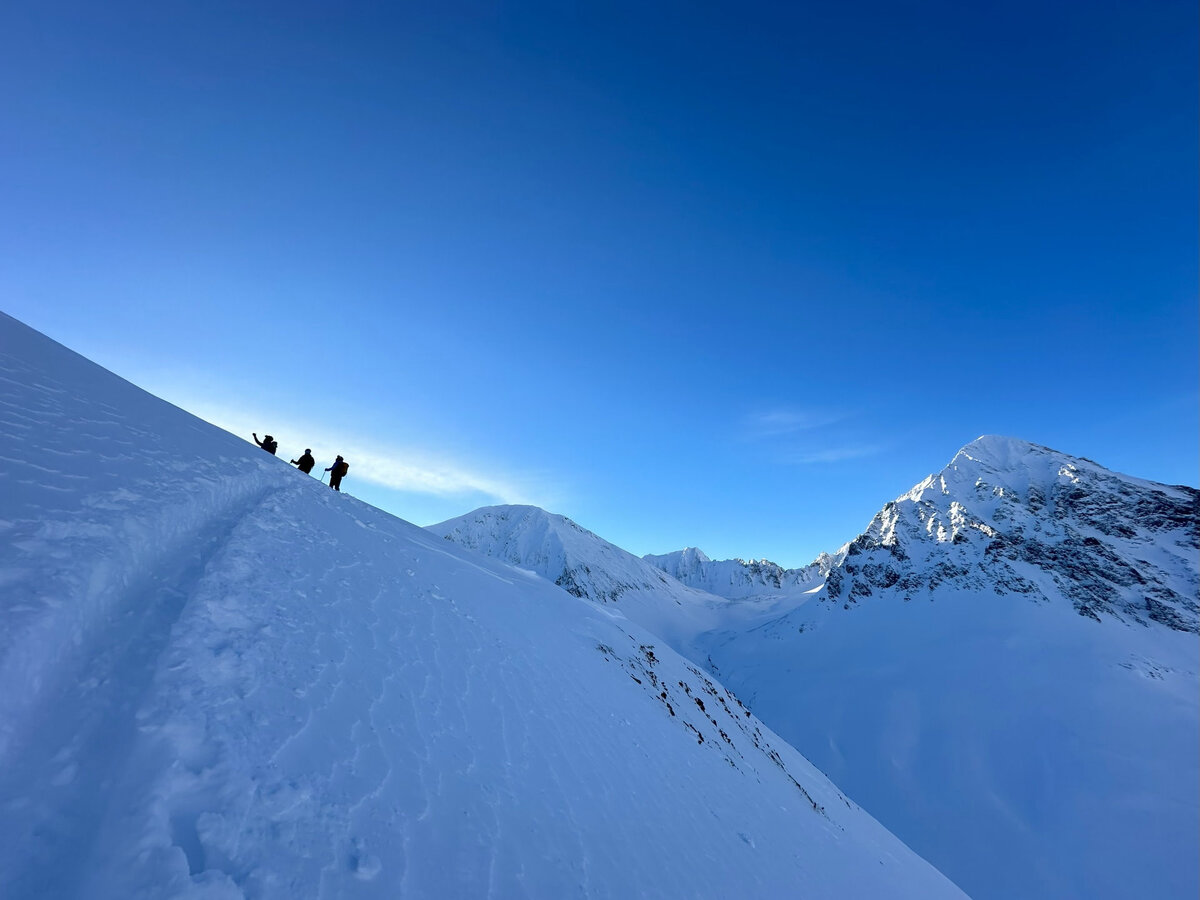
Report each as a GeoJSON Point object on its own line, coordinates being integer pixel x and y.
{"type": "Point", "coordinates": [729, 276]}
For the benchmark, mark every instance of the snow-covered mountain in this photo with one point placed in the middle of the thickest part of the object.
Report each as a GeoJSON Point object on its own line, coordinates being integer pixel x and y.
{"type": "Point", "coordinates": [740, 579]}
{"type": "Point", "coordinates": [1013, 517]}
{"type": "Point", "coordinates": [1005, 515]}
{"type": "Point", "coordinates": [1003, 667]}
{"type": "Point", "coordinates": [587, 566]}
{"type": "Point", "coordinates": [218, 678]}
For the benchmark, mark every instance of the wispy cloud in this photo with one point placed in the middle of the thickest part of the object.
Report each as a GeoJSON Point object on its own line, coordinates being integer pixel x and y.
{"type": "Point", "coordinates": [403, 471]}
{"type": "Point", "coordinates": [777, 423]}
{"type": "Point", "coordinates": [799, 436]}
{"type": "Point", "coordinates": [832, 455]}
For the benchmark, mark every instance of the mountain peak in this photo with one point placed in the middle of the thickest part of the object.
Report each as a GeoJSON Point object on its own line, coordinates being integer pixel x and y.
{"type": "Point", "coordinates": [1000, 450]}
{"type": "Point", "coordinates": [1022, 518]}
{"type": "Point", "coordinates": [1011, 460]}
{"type": "Point", "coordinates": [687, 558]}
{"type": "Point", "coordinates": [585, 565]}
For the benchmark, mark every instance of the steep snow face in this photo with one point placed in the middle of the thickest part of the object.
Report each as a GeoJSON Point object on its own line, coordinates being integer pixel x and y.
{"type": "Point", "coordinates": [587, 566]}
{"type": "Point", "coordinates": [218, 678]}
{"type": "Point", "coordinates": [1003, 668]}
{"type": "Point", "coordinates": [1012, 517]}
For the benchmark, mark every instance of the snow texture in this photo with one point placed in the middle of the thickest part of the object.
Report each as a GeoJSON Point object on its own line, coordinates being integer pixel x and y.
{"type": "Point", "coordinates": [1002, 668]}
{"type": "Point", "coordinates": [220, 679]}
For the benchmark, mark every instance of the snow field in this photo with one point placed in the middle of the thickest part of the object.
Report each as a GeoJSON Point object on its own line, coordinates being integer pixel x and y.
{"type": "Point", "coordinates": [220, 679]}
{"type": "Point", "coordinates": [992, 680]}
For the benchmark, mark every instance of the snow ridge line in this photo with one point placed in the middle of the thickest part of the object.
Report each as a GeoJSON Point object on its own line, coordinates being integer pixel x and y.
{"type": "Point", "coordinates": [50, 648]}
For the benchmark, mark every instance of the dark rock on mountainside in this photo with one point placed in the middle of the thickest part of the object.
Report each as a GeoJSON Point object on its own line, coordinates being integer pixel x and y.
{"type": "Point", "coordinates": [1018, 518]}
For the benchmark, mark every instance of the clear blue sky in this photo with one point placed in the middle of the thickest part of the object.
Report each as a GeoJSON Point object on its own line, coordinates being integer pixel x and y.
{"type": "Point", "coordinates": [729, 276]}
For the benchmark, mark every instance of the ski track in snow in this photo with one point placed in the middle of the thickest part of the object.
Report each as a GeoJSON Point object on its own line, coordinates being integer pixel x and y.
{"type": "Point", "coordinates": [74, 672]}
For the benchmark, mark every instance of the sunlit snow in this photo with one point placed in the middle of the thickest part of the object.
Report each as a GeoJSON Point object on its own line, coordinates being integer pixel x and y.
{"type": "Point", "coordinates": [218, 678]}
{"type": "Point", "coordinates": [1002, 668]}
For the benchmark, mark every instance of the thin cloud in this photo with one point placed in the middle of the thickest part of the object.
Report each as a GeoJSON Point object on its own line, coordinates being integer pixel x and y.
{"type": "Point", "coordinates": [783, 422]}
{"type": "Point", "coordinates": [398, 471]}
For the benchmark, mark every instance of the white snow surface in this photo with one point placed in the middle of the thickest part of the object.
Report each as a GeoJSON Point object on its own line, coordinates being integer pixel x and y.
{"type": "Point", "coordinates": [1003, 668]}
{"type": "Point", "coordinates": [585, 565]}
{"type": "Point", "coordinates": [738, 579]}
{"type": "Point", "coordinates": [220, 679]}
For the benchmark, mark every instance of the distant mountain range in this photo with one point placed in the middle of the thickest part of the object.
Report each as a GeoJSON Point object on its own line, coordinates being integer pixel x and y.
{"type": "Point", "coordinates": [1002, 666]}
{"type": "Point", "coordinates": [1008, 516]}
{"type": "Point", "coordinates": [738, 578]}
{"type": "Point", "coordinates": [585, 565]}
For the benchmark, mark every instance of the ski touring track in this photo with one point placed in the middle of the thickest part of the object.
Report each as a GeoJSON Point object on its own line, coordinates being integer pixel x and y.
{"type": "Point", "coordinates": [105, 530]}
{"type": "Point", "coordinates": [84, 699]}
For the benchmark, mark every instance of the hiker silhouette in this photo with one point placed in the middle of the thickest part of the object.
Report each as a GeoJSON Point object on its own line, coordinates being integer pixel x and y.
{"type": "Point", "coordinates": [268, 443]}
{"type": "Point", "coordinates": [305, 463]}
{"type": "Point", "coordinates": [336, 472]}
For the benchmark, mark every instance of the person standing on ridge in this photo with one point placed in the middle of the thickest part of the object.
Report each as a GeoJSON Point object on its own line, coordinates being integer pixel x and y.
{"type": "Point", "coordinates": [305, 463]}
{"type": "Point", "coordinates": [268, 443]}
{"type": "Point", "coordinates": [336, 472]}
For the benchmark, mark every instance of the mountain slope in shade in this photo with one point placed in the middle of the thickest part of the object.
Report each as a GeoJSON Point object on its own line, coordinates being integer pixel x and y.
{"type": "Point", "coordinates": [220, 679]}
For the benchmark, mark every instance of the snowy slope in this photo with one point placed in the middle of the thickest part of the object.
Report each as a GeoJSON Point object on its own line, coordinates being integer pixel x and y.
{"type": "Point", "coordinates": [585, 565]}
{"type": "Point", "coordinates": [1003, 668]}
{"type": "Point", "coordinates": [220, 679]}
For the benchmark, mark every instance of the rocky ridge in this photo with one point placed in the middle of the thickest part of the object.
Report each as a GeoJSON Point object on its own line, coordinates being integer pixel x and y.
{"type": "Point", "coordinates": [1013, 517]}
{"type": "Point", "coordinates": [740, 578]}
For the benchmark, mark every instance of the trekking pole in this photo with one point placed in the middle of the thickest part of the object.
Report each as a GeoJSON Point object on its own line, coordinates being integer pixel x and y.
{"type": "Point", "coordinates": [322, 478]}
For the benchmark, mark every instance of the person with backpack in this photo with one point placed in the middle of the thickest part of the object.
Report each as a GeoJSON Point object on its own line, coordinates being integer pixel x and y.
{"type": "Point", "coordinates": [305, 463]}
{"type": "Point", "coordinates": [336, 472]}
{"type": "Point", "coordinates": [268, 443]}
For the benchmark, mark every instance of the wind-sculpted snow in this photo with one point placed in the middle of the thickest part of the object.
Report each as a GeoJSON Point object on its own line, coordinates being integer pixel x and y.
{"type": "Point", "coordinates": [221, 679]}
{"type": "Point", "coordinates": [91, 476]}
